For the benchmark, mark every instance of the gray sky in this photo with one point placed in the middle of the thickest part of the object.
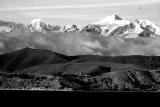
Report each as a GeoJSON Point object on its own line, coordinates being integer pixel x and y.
{"type": "Point", "coordinates": [78, 11]}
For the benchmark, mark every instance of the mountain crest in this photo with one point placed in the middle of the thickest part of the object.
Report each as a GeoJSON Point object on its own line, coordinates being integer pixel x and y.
{"type": "Point", "coordinates": [37, 24]}
{"type": "Point", "coordinates": [108, 26]}
{"type": "Point", "coordinates": [113, 19]}
{"type": "Point", "coordinates": [37, 20]}
{"type": "Point", "coordinates": [108, 19]}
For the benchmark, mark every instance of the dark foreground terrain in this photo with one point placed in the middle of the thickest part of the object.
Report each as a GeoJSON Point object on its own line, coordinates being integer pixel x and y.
{"type": "Point", "coordinates": [35, 69]}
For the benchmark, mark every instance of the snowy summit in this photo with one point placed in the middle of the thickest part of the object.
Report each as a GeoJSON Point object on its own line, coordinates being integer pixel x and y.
{"type": "Point", "coordinates": [37, 24]}
{"type": "Point", "coordinates": [113, 19]}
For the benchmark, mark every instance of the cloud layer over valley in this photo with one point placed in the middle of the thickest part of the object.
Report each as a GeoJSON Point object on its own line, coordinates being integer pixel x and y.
{"type": "Point", "coordinates": [80, 43]}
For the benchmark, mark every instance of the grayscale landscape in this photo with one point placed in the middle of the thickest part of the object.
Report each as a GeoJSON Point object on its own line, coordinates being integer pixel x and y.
{"type": "Point", "coordinates": [97, 45]}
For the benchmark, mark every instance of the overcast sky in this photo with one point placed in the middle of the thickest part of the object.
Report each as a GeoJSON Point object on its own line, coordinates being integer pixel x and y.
{"type": "Point", "coordinates": [78, 11]}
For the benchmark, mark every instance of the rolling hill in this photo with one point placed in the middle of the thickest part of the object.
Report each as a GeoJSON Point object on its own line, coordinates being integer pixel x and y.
{"type": "Point", "coordinates": [83, 72]}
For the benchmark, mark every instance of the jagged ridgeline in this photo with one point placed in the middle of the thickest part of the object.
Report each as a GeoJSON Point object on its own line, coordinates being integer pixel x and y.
{"type": "Point", "coordinates": [110, 25]}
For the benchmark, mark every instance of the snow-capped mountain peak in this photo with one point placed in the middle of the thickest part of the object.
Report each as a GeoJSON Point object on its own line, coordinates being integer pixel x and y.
{"type": "Point", "coordinates": [37, 20]}
{"type": "Point", "coordinates": [73, 28]}
{"type": "Point", "coordinates": [37, 24]}
{"type": "Point", "coordinates": [113, 19]}
{"type": "Point", "coordinates": [149, 25]}
{"type": "Point", "coordinates": [108, 26]}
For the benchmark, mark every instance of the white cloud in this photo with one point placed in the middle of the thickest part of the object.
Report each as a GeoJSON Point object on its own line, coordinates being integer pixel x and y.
{"type": "Point", "coordinates": [58, 16]}
{"type": "Point", "coordinates": [105, 4]}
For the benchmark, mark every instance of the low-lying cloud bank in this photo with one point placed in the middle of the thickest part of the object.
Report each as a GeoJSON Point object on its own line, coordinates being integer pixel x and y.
{"type": "Point", "coordinates": [80, 44]}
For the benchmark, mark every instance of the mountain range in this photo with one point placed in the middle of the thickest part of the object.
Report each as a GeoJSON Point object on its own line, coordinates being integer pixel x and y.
{"type": "Point", "coordinates": [109, 26]}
